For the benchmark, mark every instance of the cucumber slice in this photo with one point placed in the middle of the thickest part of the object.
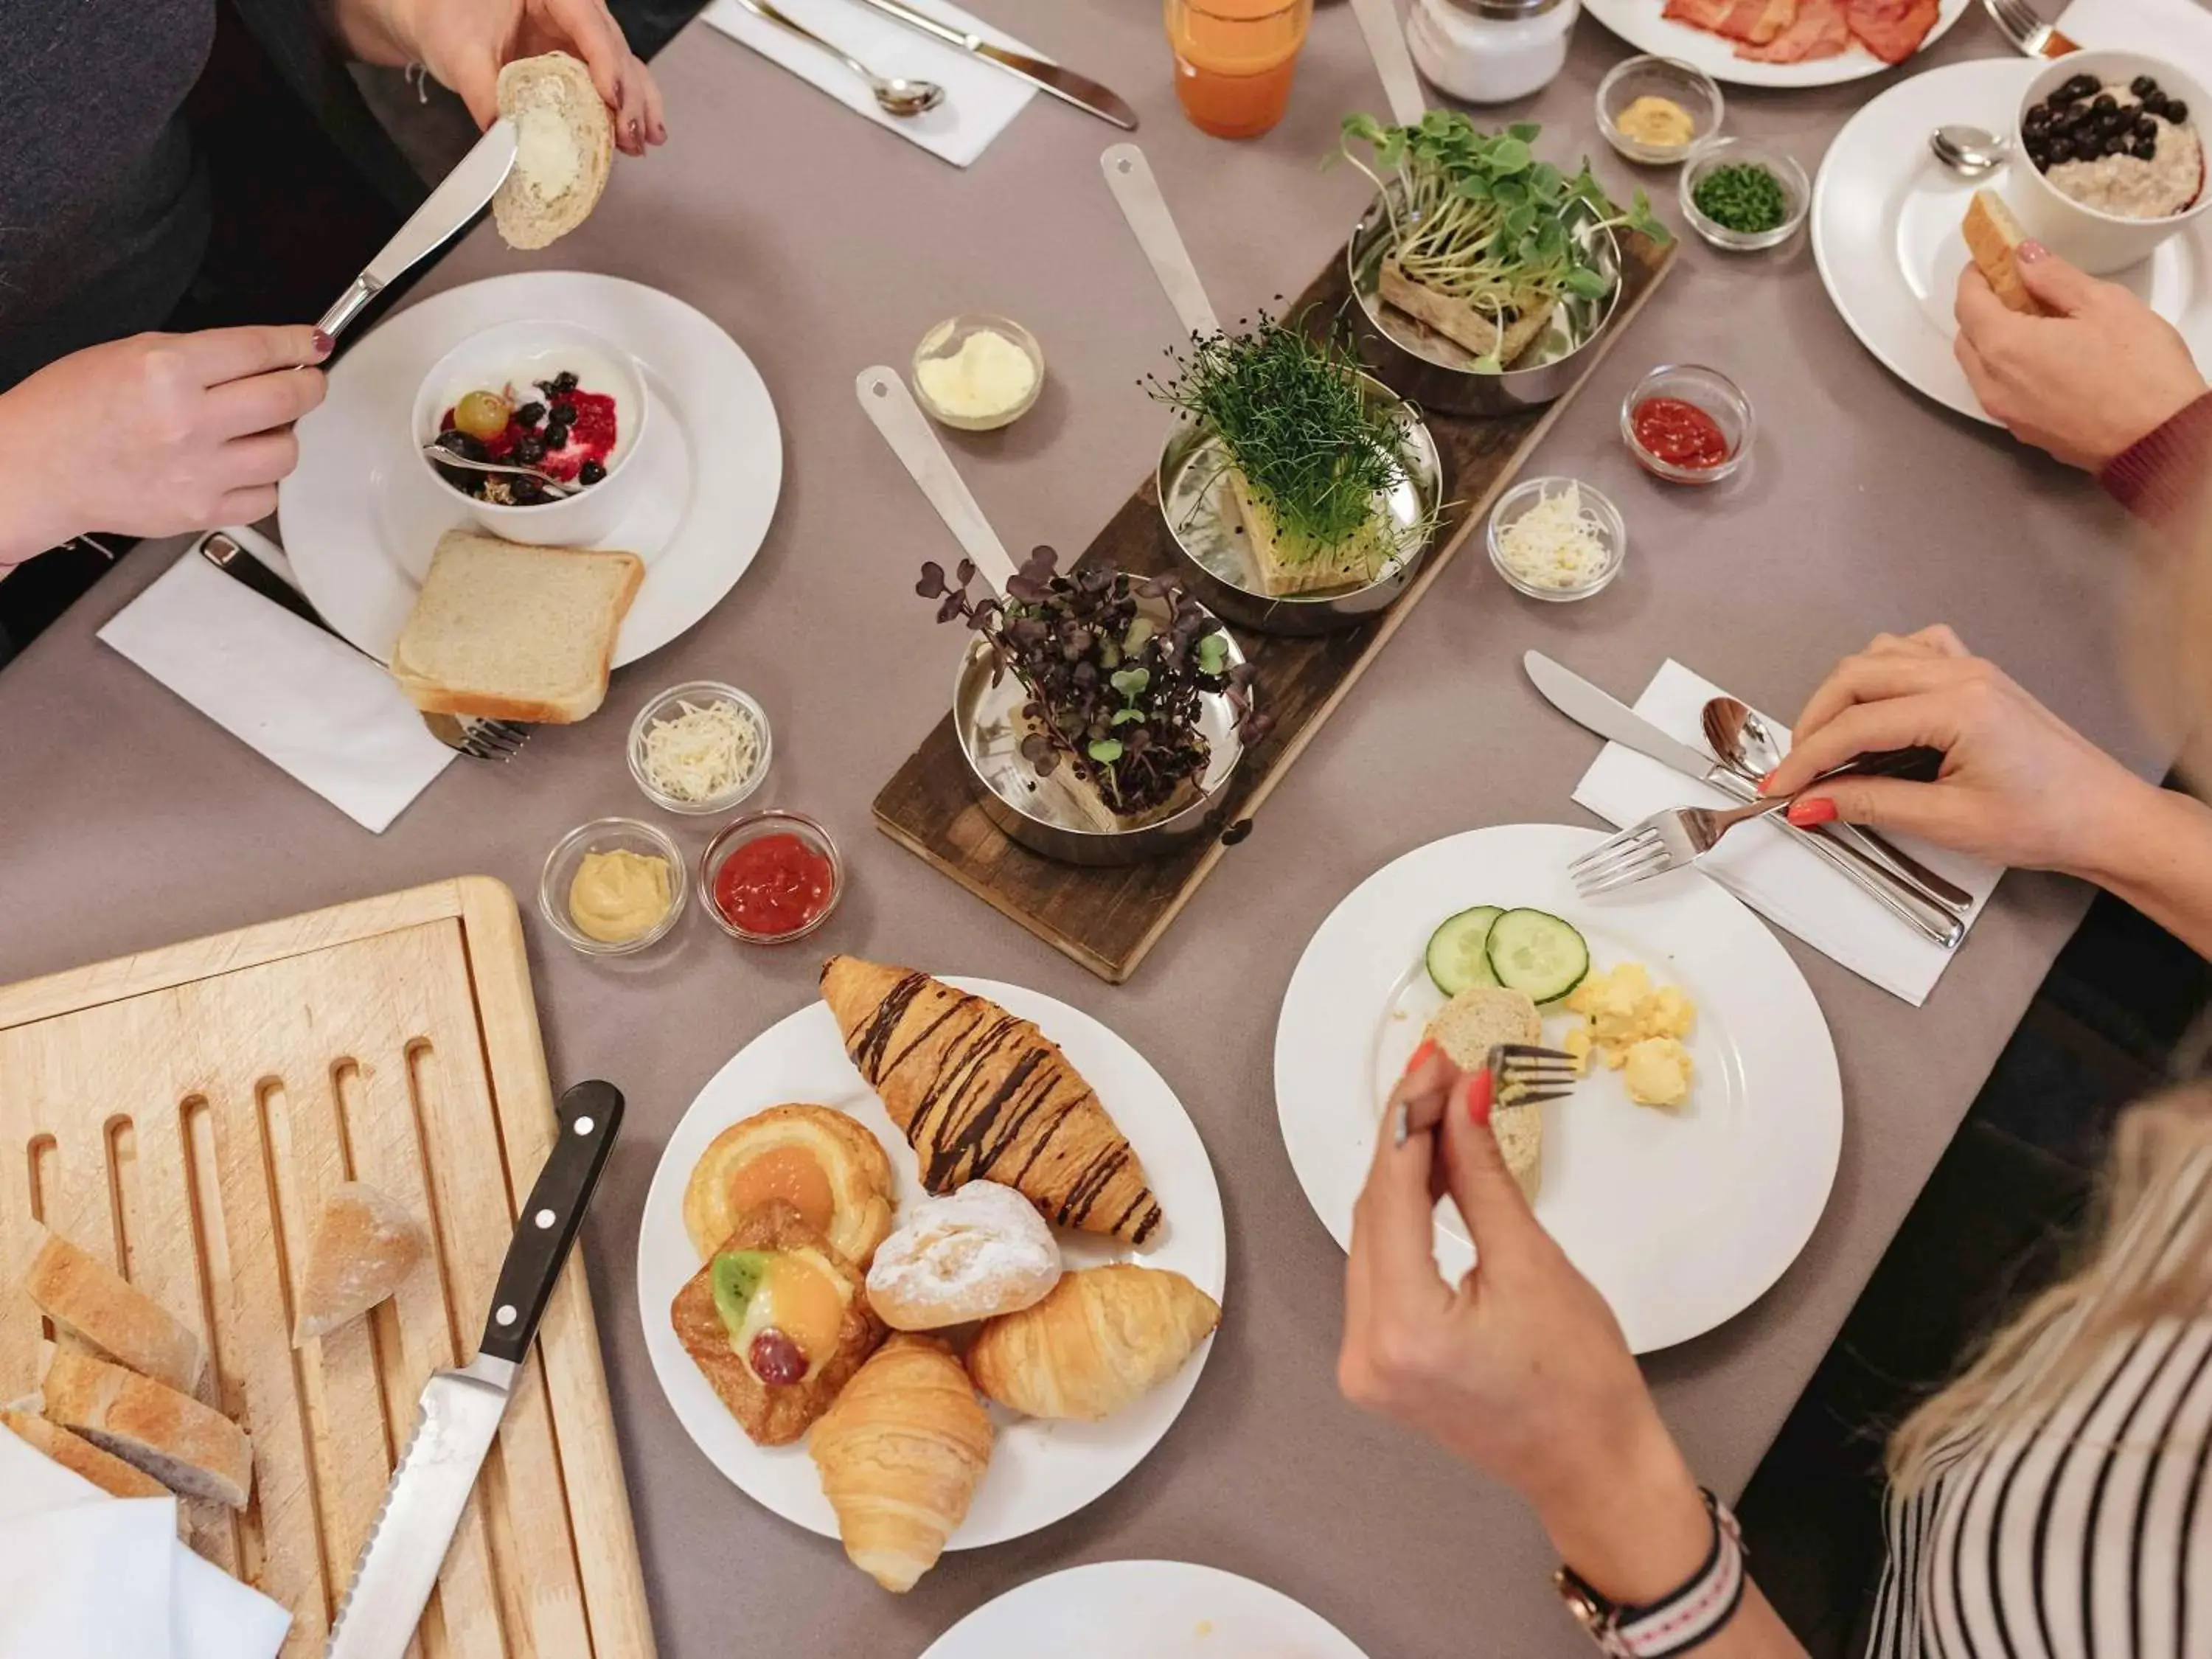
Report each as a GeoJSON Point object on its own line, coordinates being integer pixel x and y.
{"type": "Point", "coordinates": [1457, 956]}
{"type": "Point", "coordinates": [1537, 954]}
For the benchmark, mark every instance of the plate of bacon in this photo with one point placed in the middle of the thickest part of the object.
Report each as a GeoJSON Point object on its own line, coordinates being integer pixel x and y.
{"type": "Point", "coordinates": [1780, 43]}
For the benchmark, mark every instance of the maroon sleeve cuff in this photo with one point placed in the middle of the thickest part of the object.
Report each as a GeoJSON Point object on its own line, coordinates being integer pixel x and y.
{"type": "Point", "coordinates": [2163, 473]}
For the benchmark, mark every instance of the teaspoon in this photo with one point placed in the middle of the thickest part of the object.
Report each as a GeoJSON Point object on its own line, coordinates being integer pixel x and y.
{"type": "Point", "coordinates": [895, 95]}
{"type": "Point", "coordinates": [1969, 151]}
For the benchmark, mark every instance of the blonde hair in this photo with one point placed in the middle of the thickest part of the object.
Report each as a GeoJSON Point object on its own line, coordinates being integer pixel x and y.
{"type": "Point", "coordinates": [2148, 1257]}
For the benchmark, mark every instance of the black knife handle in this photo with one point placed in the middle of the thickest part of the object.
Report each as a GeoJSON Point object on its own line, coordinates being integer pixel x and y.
{"type": "Point", "coordinates": [589, 1115]}
{"type": "Point", "coordinates": [1920, 765]}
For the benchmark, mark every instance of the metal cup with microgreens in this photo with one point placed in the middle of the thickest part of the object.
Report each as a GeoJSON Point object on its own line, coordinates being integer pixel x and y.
{"type": "Point", "coordinates": [1481, 272]}
{"type": "Point", "coordinates": [1301, 492]}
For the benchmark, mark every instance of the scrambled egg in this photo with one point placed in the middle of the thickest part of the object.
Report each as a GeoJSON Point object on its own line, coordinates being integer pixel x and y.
{"type": "Point", "coordinates": [1637, 1028]}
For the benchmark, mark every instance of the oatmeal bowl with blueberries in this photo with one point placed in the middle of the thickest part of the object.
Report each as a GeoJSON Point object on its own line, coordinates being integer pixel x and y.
{"type": "Point", "coordinates": [2117, 165]}
{"type": "Point", "coordinates": [533, 429]}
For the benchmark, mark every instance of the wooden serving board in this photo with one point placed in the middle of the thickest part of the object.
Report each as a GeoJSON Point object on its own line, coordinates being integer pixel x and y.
{"type": "Point", "coordinates": [180, 1113]}
{"type": "Point", "coordinates": [1109, 919]}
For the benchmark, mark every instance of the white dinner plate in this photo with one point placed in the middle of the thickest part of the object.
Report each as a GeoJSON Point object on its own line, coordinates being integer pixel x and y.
{"type": "Point", "coordinates": [1040, 1471]}
{"type": "Point", "coordinates": [361, 515]}
{"type": "Point", "coordinates": [1639, 22]}
{"type": "Point", "coordinates": [1681, 1218]}
{"type": "Point", "coordinates": [1151, 1609]}
{"type": "Point", "coordinates": [1886, 216]}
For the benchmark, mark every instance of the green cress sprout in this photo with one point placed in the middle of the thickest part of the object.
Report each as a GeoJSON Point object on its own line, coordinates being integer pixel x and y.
{"type": "Point", "coordinates": [1477, 217]}
{"type": "Point", "coordinates": [1116, 669]}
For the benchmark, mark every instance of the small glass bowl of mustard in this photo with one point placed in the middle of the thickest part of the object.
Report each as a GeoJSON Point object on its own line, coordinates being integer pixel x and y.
{"type": "Point", "coordinates": [1633, 114]}
{"type": "Point", "coordinates": [599, 894]}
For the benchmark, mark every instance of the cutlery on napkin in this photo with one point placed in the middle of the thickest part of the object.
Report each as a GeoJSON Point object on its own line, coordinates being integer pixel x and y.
{"type": "Point", "coordinates": [92, 1577]}
{"type": "Point", "coordinates": [320, 710]}
{"type": "Point", "coordinates": [980, 97]}
{"type": "Point", "coordinates": [1785, 882]}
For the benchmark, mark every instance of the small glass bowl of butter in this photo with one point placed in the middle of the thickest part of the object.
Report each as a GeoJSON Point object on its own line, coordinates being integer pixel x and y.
{"type": "Point", "coordinates": [977, 372]}
{"type": "Point", "coordinates": [1656, 110]}
{"type": "Point", "coordinates": [601, 892]}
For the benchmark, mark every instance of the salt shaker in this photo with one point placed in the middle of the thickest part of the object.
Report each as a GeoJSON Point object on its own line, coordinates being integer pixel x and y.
{"type": "Point", "coordinates": [1490, 52]}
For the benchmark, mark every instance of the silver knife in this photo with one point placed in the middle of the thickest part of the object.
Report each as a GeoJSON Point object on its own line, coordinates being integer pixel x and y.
{"type": "Point", "coordinates": [460, 1411]}
{"type": "Point", "coordinates": [1606, 716]}
{"type": "Point", "coordinates": [452, 204]}
{"type": "Point", "coordinates": [1064, 84]}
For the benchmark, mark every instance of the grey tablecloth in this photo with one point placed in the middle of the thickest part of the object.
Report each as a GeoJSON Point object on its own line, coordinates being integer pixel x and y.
{"type": "Point", "coordinates": [824, 246]}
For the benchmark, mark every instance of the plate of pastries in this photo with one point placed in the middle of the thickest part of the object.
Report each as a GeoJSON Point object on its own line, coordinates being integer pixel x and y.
{"type": "Point", "coordinates": [930, 1264]}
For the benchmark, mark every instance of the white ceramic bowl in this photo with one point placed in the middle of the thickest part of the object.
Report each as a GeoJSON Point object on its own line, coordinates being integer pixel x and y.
{"type": "Point", "coordinates": [2100, 243]}
{"type": "Point", "coordinates": [519, 354]}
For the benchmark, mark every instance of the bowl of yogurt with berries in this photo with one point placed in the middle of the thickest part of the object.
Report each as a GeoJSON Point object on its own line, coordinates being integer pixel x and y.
{"type": "Point", "coordinates": [2113, 162]}
{"type": "Point", "coordinates": [559, 401]}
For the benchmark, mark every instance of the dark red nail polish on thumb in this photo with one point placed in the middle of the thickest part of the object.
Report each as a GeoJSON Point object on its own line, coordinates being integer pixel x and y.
{"type": "Point", "coordinates": [1806, 813]}
{"type": "Point", "coordinates": [323, 345]}
{"type": "Point", "coordinates": [1477, 1091]}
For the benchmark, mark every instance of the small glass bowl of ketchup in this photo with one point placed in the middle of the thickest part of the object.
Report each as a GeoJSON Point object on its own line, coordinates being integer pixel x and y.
{"type": "Point", "coordinates": [769, 878]}
{"type": "Point", "coordinates": [1687, 424]}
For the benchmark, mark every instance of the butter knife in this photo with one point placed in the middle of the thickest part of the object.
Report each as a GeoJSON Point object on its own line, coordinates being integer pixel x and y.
{"type": "Point", "coordinates": [1064, 84]}
{"type": "Point", "coordinates": [471, 184]}
{"type": "Point", "coordinates": [460, 1411]}
{"type": "Point", "coordinates": [1606, 716]}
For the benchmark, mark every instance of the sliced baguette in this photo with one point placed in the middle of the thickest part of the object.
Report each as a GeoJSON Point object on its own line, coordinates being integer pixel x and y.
{"type": "Point", "coordinates": [564, 149]}
{"type": "Point", "coordinates": [80, 1457]}
{"type": "Point", "coordinates": [192, 1450]}
{"type": "Point", "coordinates": [514, 633]}
{"type": "Point", "coordinates": [1467, 1029]}
{"type": "Point", "coordinates": [1991, 235]}
{"type": "Point", "coordinates": [1471, 330]}
{"type": "Point", "coordinates": [363, 1246]}
{"type": "Point", "coordinates": [97, 1305]}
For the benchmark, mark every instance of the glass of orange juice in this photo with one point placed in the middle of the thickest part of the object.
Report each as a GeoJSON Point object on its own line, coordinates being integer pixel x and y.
{"type": "Point", "coordinates": [1234, 61]}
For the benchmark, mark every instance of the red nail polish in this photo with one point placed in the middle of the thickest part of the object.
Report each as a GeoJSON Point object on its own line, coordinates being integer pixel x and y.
{"type": "Point", "coordinates": [323, 345]}
{"type": "Point", "coordinates": [1421, 1056]}
{"type": "Point", "coordinates": [1478, 1097]}
{"type": "Point", "coordinates": [1767, 782]}
{"type": "Point", "coordinates": [1806, 813]}
{"type": "Point", "coordinates": [2030, 252]}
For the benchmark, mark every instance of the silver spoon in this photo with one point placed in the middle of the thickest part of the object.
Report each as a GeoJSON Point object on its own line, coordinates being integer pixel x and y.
{"type": "Point", "coordinates": [438, 454]}
{"type": "Point", "coordinates": [1748, 749]}
{"type": "Point", "coordinates": [1969, 151]}
{"type": "Point", "coordinates": [894, 94]}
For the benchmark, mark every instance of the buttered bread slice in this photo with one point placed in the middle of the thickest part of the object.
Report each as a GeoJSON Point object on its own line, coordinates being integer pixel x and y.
{"type": "Point", "coordinates": [564, 148]}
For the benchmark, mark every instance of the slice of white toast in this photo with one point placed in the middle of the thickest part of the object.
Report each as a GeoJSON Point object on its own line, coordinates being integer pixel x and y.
{"type": "Point", "coordinates": [507, 632]}
{"type": "Point", "coordinates": [564, 149]}
{"type": "Point", "coordinates": [1991, 235]}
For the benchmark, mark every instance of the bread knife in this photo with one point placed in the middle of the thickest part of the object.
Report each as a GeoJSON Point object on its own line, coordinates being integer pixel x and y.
{"type": "Point", "coordinates": [460, 1411]}
{"type": "Point", "coordinates": [1064, 84]}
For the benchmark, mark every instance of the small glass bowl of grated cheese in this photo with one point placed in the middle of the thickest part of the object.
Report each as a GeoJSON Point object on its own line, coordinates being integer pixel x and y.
{"type": "Point", "coordinates": [1556, 538]}
{"type": "Point", "coordinates": [700, 747]}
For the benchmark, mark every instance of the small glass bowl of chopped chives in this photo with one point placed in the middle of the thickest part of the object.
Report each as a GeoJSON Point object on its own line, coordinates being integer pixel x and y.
{"type": "Point", "coordinates": [1741, 195]}
{"type": "Point", "coordinates": [699, 748]}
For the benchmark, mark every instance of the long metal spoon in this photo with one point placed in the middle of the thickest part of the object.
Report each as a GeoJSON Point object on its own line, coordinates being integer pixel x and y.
{"type": "Point", "coordinates": [441, 456]}
{"type": "Point", "coordinates": [1748, 749]}
{"type": "Point", "coordinates": [1969, 151]}
{"type": "Point", "coordinates": [895, 95]}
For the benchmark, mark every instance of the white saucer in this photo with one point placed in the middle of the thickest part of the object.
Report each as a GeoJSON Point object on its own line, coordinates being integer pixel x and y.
{"type": "Point", "coordinates": [361, 516]}
{"type": "Point", "coordinates": [1886, 216]}
{"type": "Point", "coordinates": [1143, 1610]}
{"type": "Point", "coordinates": [1642, 24]}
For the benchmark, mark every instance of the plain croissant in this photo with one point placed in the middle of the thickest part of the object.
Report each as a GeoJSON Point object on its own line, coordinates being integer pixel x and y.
{"type": "Point", "coordinates": [1101, 1339]}
{"type": "Point", "coordinates": [900, 1455]}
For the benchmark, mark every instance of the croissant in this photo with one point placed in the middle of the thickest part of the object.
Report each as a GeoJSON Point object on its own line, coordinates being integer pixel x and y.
{"type": "Point", "coordinates": [900, 1454]}
{"type": "Point", "coordinates": [1101, 1339]}
{"type": "Point", "coordinates": [984, 1096]}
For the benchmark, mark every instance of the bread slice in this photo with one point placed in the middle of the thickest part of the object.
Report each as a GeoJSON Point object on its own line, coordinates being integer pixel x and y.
{"type": "Point", "coordinates": [192, 1450]}
{"type": "Point", "coordinates": [1472, 330]}
{"type": "Point", "coordinates": [1467, 1029]}
{"type": "Point", "coordinates": [564, 149]}
{"type": "Point", "coordinates": [1287, 566]}
{"type": "Point", "coordinates": [363, 1246]}
{"type": "Point", "coordinates": [515, 632]}
{"type": "Point", "coordinates": [1991, 235]}
{"type": "Point", "coordinates": [80, 1457]}
{"type": "Point", "coordinates": [93, 1303]}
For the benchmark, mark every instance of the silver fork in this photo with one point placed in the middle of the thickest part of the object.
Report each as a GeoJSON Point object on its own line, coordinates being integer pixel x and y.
{"type": "Point", "coordinates": [1521, 1074]}
{"type": "Point", "coordinates": [464, 734]}
{"type": "Point", "coordinates": [2028, 29]}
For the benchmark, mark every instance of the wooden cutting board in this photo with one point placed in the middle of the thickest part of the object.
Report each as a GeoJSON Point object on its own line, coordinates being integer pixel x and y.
{"type": "Point", "coordinates": [1109, 919]}
{"type": "Point", "coordinates": [180, 1114]}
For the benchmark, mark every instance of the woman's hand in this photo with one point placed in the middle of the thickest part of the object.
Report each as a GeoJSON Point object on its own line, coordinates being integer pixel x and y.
{"type": "Point", "coordinates": [2018, 786]}
{"type": "Point", "coordinates": [1519, 1369]}
{"type": "Point", "coordinates": [465, 43]}
{"type": "Point", "coordinates": [2102, 372]}
{"type": "Point", "coordinates": [155, 434]}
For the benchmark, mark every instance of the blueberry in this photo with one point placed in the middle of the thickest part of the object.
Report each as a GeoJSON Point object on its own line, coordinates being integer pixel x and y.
{"type": "Point", "coordinates": [528, 451]}
{"type": "Point", "coordinates": [2062, 149]}
{"type": "Point", "coordinates": [2175, 111]}
{"type": "Point", "coordinates": [2145, 149]}
{"type": "Point", "coordinates": [2104, 101]}
{"type": "Point", "coordinates": [2142, 86]}
{"type": "Point", "coordinates": [563, 382]}
{"type": "Point", "coordinates": [591, 472]}
{"type": "Point", "coordinates": [530, 414]}
{"type": "Point", "coordinates": [557, 439]}
{"type": "Point", "coordinates": [2036, 120]}
{"type": "Point", "coordinates": [2144, 127]}
{"type": "Point", "coordinates": [2117, 144]}
{"type": "Point", "coordinates": [2081, 85]}
{"type": "Point", "coordinates": [526, 492]}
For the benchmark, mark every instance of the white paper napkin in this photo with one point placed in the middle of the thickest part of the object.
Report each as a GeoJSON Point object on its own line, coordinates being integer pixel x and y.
{"type": "Point", "coordinates": [2177, 30]}
{"type": "Point", "coordinates": [980, 100]}
{"type": "Point", "coordinates": [312, 704]}
{"type": "Point", "coordinates": [91, 1576]}
{"type": "Point", "coordinates": [1790, 884]}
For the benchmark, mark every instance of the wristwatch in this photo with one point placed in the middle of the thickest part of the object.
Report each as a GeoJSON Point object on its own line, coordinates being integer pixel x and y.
{"type": "Point", "coordinates": [1674, 1624]}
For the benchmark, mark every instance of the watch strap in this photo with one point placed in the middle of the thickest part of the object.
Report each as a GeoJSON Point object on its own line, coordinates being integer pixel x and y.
{"type": "Point", "coordinates": [1674, 1624]}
